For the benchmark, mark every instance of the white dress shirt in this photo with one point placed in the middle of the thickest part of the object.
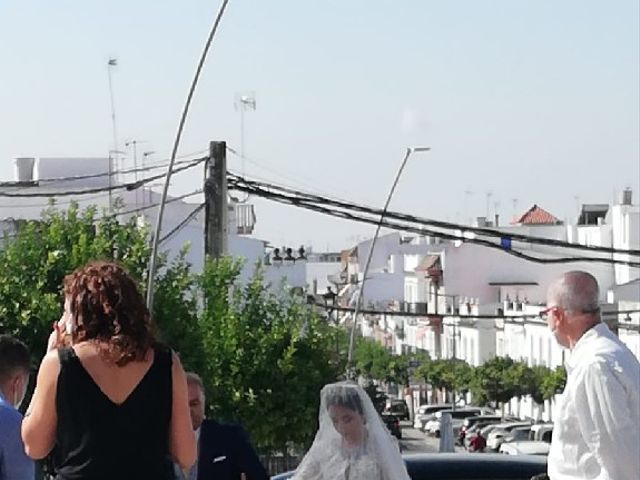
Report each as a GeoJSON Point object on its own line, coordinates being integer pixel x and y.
{"type": "Point", "coordinates": [596, 433]}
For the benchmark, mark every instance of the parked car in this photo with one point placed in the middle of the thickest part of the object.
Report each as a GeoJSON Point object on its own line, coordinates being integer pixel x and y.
{"type": "Point", "coordinates": [426, 413]}
{"type": "Point", "coordinates": [398, 408]}
{"type": "Point", "coordinates": [457, 417]}
{"type": "Point", "coordinates": [467, 466]}
{"type": "Point", "coordinates": [526, 447]}
{"type": "Point", "coordinates": [538, 443]}
{"type": "Point", "coordinates": [483, 429]}
{"type": "Point", "coordinates": [482, 420]}
{"type": "Point", "coordinates": [393, 424]}
{"type": "Point", "coordinates": [518, 434]}
{"type": "Point", "coordinates": [497, 436]}
{"type": "Point", "coordinates": [541, 432]}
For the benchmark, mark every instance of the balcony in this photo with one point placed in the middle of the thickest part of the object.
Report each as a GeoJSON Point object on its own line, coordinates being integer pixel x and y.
{"type": "Point", "coordinates": [419, 308]}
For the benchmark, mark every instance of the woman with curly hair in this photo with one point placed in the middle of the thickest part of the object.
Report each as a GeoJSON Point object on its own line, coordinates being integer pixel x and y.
{"type": "Point", "coordinates": [109, 398]}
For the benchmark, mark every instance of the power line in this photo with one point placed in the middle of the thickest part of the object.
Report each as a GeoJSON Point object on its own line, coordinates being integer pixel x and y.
{"type": "Point", "coordinates": [113, 173]}
{"type": "Point", "coordinates": [236, 179]}
{"type": "Point", "coordinates": [394, 313]}
{"type": "Point", "coordinates": [302, 202]}
{"type": "Point", "coordinates": [124, 186]}
{"type": "Point", "coordinates": [183, 223]}
{"type": "Point", "coordinates": [153, 205]}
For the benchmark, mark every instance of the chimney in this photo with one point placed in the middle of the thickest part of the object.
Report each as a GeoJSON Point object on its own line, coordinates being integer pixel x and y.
{"type": "Point", "coordinates": [626, 196]}
{"type": "Point", "coordinates": [497, 221]}
{"type": "Point", "coordinates": [24, 169]}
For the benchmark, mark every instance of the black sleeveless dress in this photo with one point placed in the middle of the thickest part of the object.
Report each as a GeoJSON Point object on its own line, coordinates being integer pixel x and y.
{"type": "Point", "coordinates": [97, 439]}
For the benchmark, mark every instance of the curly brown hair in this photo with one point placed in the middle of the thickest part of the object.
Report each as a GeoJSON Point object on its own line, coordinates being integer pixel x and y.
{"type": "Point", "coordinates": [107, 307]}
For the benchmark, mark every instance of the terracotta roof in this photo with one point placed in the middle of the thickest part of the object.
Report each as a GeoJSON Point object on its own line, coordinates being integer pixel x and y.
{"type": "Point", "coordinates": [537, 216]}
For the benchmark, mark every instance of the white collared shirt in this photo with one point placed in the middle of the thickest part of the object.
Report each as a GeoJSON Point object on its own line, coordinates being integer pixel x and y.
{"type": "Point", "coordinates": [596, 433]}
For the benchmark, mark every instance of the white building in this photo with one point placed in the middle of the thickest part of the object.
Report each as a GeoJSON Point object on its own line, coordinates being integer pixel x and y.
{"type": "Point", "coordinates": [52, 177]}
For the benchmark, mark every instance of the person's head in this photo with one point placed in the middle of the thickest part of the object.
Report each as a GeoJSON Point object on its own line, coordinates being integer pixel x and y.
{"type": "Point", "coordinates": [15, 364]}
{"type": "Point", "coordinates": [345, 409]}
{"type": "Point", "coordinates": [195, 391]}
{"type": "Point", "coordinates": [103, 304]}
{"type": "Point", "coordinates": [572, 306]}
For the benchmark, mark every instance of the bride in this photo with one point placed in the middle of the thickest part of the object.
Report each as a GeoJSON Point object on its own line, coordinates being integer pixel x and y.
{"type": "Point", "coordinates": [352, 442]}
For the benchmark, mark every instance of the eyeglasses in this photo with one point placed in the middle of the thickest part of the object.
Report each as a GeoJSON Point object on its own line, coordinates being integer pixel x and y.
{"type": "Point", "coordinates": [544, 314]}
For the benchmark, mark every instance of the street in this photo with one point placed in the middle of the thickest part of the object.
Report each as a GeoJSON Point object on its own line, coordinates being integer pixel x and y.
{"type": "Point", "coordinates": [414, 441]}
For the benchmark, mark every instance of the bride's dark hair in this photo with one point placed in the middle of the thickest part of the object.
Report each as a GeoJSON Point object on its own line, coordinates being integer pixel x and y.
{"type": "Point", "coordinates": [344, 396]}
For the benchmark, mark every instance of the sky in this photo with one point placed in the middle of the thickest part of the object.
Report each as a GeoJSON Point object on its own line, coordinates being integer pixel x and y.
{"type": "Point", "coordinates": [532, 101]}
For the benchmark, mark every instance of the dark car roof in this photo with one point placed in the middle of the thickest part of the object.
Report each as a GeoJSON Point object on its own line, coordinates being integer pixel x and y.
{"type": "Point", "coordinates": [459, 466]}
{"type": "Point", "coordinates": [469, 466]}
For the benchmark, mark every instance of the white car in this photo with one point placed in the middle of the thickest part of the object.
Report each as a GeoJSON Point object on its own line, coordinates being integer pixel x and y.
{"type": "Point", "coordinates": [457, 418]}
{"type": "Point", "coordinates": [426, 413]}
{"type": "Point", "coordinates": [503, 430]}
{"type": "Point", "coordinates": [526, 447]}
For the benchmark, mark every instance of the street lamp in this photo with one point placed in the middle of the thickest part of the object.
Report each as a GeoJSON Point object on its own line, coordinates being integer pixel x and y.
{"type": "Point", "coordinates": [244, 101]}
{"type": "Point", "coordinates": [410, 150]}
{"type": "Point", "coordinates": [111, 63]}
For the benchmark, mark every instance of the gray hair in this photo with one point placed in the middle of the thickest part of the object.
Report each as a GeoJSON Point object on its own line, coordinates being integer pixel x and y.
{"type": "Point", "coordinates": [195, 379]}
{"type": "Point", "coordinates": [577, 291]}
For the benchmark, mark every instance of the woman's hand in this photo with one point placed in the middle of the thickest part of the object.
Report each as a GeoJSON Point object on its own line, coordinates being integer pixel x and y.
{"type": "Point", "coordinates": [56, 339]}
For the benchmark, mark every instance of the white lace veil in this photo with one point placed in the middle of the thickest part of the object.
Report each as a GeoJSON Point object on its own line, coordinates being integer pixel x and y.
{"type": "Point", "coordinates": [379, 451]}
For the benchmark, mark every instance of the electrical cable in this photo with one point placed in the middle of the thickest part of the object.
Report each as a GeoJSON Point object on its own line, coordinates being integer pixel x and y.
{"type": "Point", "coordinates": [235, 179]}
{"type": "Point", "coordinates": [183, 223]}
{"type": "Point", "coordinates": [394, 313]}
{"type": "Point", "coordinates": [310, 204]}
{"type": "Point", "coordinates": [113, 173]}
{"type": "Point", "coordinates": [302, 203]}
{"type": "Point", "coordinates": [124, 186]}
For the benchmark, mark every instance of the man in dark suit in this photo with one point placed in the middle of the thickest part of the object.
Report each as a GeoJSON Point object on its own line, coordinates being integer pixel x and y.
{"type": "Point", "coordinates": [224, 451]}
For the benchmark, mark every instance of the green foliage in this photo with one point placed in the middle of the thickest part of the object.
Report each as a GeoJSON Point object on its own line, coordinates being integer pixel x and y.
{"type": "Point", "coordinates": [263, 354]}
{"type": "Point", "coordinates": [374, 362]}
{"type": "Point", "coordinates": [449, 374]}
{"type": "Point", "coordinates": [497, 381]}
{"type": "Point", "coordinates": [34, 262]}
{"type": "Point", "coordinates": [553, 383]}
{"type": "Point", "coordinates": [268, 356]}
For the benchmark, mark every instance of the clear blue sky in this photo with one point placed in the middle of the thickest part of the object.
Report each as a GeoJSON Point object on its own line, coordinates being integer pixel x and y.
{"type": "Point", "coordinates": [536, 100]}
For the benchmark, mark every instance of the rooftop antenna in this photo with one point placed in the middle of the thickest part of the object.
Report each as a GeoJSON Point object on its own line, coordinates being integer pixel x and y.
{"type": "Point", "coordinates": [489, 194]}
{"type": "Point", "coordinates": [467, 195]}
{"type": "Point", "coordinates": [145, 155]}
{"type": "Point", "coordinates": [134, 144]}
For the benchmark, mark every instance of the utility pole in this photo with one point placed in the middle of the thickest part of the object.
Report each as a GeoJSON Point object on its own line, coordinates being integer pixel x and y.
{"type": "Point", "coordinates": [215, 194]}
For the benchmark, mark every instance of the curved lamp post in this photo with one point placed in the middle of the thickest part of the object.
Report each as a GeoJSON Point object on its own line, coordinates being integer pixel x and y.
{"type": "Point", "coordinates": [408, 153]}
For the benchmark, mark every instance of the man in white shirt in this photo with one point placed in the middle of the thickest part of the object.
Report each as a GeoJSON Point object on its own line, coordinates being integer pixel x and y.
{"type": "Point", "coordinates": [597, 421]}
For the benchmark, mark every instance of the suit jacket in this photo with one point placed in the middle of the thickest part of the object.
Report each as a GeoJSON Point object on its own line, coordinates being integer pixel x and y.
{"type": "Point", "coordinates": [224, 452]}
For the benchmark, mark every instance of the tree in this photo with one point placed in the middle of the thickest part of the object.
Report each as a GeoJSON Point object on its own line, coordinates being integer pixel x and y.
{"type": "Point", "coordinates": [452, 375]}
{"type": "Point", "coordinates": [268, 356]}
{"type": "Point", "coordinates": [495, 381]}
{"type": "Point", "coordinates": [553, 383]}
{"type": "Point", "coordinates": [34, 261]}
{"type": "Point", "coordinates": [263, 354]}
